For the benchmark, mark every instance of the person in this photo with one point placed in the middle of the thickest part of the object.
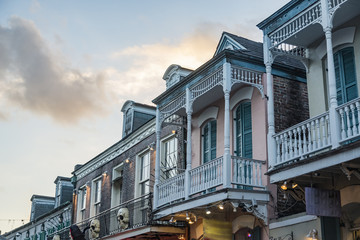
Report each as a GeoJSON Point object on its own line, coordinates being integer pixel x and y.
{"type": "Point", "coordinates": [76, 234]}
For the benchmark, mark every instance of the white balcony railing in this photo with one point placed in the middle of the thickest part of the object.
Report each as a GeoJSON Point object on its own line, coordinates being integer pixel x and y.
{"type": "Point", "coordinates": [303, 139]}
{"type": "Point", "coordinates": [349, 120]}
{"type": "Point", "coordinates": [171, 189]}
{"type": "Point", "coordinates": [206, 176]}
{"type": "Point", "coordinates": [247, 172]}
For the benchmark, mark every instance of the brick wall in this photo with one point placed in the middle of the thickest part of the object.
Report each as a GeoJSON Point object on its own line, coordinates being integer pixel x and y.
{"type": "Point", "coordinates": [290, 103]}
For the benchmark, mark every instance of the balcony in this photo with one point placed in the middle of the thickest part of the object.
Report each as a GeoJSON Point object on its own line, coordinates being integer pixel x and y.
{"type": "Point", "coordinates": [313, 139]}
{"type": "Point", "coordinates": [134, 219]}
{"type": "Point", "coordinates": [207, 178]}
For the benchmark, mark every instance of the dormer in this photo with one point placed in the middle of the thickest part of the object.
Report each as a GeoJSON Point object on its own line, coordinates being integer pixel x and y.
{"type": "Point", "coordinates": [174, 74]}
{"type": "Point", "coordinates": [228, 41]}
{"type": "Point", "coordinates": [135, 115]}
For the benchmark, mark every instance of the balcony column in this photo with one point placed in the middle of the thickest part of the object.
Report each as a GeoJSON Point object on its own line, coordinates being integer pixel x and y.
{"type": "Point", "coordinates": [157, 160]}
{"type": "Point", "coordinates": [271, 144]}
{"type": "Point", "coordinates": [227, 156]}
{"type": "Point", "coordinates": [333, 116]}
{"type": "Point", "coordinates": [189, 111]}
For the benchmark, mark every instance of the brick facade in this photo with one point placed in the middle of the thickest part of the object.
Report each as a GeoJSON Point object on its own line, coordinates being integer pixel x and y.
{"type": "Point", "coordinates": [291, 104]}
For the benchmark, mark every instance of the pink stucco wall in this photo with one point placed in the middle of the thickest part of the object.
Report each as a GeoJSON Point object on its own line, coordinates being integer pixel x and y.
{"type": "Point", "coordinates": [259, 126]}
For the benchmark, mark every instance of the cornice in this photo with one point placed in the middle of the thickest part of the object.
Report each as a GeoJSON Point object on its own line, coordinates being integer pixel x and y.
{"type": "Point", "coordinates": [116, 150]}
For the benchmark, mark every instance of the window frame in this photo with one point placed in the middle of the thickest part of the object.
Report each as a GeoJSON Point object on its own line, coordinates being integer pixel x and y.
{"type": "Point", "coordinates": [236, 129]}
{"type": "Point", "coordinates": [163, 149]}
{"type": "Point", "coordinates": [96, 196]}
{"type": "Point", "coordinates": [139, 170]}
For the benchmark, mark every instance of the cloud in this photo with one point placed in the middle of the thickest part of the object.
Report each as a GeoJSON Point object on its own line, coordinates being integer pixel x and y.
{"type": "Point", "coordinates": [34, 78]}
{"type": "Point", "coordinates": [141, 79]}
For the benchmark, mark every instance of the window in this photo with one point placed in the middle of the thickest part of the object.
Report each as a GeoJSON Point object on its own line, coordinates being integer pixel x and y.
{"type": "Point", "coordinates": [117, 178]}
{"type": "Point", "coordinates": [144, 173]}
{"type": "Point", "coordinates": [96, 196]}
{"type": "Point", "coordinates": [345, 75]}
{"type": "Point", "coordinates": [209, 141]}
{"type": "Point", "coordinates": [128, 122]}
{"type": "Point", "coordinates": [169, 162]}
{"type": "Point", "coordinates": [82, 202]}
{"type": "Point", "coordinates": [243, 132]}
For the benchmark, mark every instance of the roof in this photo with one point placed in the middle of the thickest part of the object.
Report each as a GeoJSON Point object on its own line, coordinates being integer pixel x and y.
{"type": "Point", "coordinates": [41, 197]}
{"type": "Point", "coordinates": [255, 49]}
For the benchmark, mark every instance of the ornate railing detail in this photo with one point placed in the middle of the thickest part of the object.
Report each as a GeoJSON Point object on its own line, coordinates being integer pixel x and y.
{"type": "Point", "coordinates": [334, 4]}
{"type": "Point", "coordinates": [246, 172]}
{"type": "Point", "coordinates": [303, 139]}
{"type": "Point", "coordinates": [206, 176]}
{"type": "Point", "coordinates": [288, 49]}
{"type": "Point", "coordinates": [243, 75]}
{"type": "Point", "coordinates": [301, 21]}
{"type": "Point", "coordinates": [139, 209]}
{"type": "Point", "coordinates": [349, 119]}
{"type": "Point", "coordinates": [173, 106]}
{"type": "Point", "coordinates": [171, 189]}
{"type": "Point", "coordinates": [207, 83]}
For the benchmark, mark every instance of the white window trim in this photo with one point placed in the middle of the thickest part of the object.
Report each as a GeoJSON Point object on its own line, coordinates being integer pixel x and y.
{"type": "Point", "coordinates": [92, 199]}
{"type": "Point", "coordinates": [137, 170]}
{"type": "Point", "coordinates": [202, 137]}
{"type": "Point", "coordinates": [162, 146]}
{"type": "Point", "coordinates": [80, 207]}
{"type": "Point", "coordinates": [114, 199]}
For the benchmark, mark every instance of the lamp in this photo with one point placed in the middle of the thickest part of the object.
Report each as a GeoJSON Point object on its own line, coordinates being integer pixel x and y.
{"type": "Point", "coordinates": [173, 131]}
{"type": "Point", "coordinates": [294, 185]}
{"type": "Point", "coordinates": [187, 216]}
{"type": "Point", "coordinates": [221, 206]}
{"type": "Point", "coordinates": [312, 234]}
{"type": "Point", "coordinates": [105, 174]}
{"type": "Point", "coordinates": [208, 211]}
{"type": "Point", "coordinates": [172, 220]}
{"type": "Point", "coordinates": [127, 160]}
{"type": "Point", "coordinates": [284, 186]}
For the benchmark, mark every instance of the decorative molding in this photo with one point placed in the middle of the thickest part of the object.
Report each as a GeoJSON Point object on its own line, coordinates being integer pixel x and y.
{"type": "Point", "coordinates": [209, 113]}
{"type": "Point", "coordinates": [243, 94]}
{"type": "Point", "coordinates": [116, 150]}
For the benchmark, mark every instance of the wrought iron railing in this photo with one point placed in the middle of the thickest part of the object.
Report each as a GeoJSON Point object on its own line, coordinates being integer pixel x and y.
{"type": "Point", "coordinates": [124, 217]}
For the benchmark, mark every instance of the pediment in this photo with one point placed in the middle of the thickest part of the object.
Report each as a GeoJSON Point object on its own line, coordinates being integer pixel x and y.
{"type": "Point", "coordinates": [227, 42]}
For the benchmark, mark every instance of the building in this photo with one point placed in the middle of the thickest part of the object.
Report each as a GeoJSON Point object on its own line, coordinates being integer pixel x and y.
{"type": "Point", "coordinates": [315, 164]}
{"type": "Point", "coordinates": [223, 111]}
{"type": "Point", "coordinates": [113, 191]}
{"type": "Point", "coordinates": [49, 216]}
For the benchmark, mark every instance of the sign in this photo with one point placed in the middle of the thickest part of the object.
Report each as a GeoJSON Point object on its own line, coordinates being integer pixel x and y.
{"type": "Point", "coordinates": [322, 202]}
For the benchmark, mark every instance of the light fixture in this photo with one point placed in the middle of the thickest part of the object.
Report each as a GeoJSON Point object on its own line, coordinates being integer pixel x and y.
{"type": "Point", "coordinates": [294, 185]}
{"type": "Point", "coordinates": [208, 211]}
{"type": "Point", "coordinates": [284, 186]}
{"type": "Point", "coordinates": [173, 131]}
{"type": "Point", "coordinates": [127, 160]}
{"type": "Point", "coordinates": [312, 234]}
{"type": "Point", "coordinates": [172, 220]}
{"type": "Point", "coordinates": [221, 206]}
{"type": "Point", "coordinates": [195, 218]}
{"type": "Point", "coordinates": [190, 221]}
{"type": "Point", "coordinates": [105, 174]}
{"type": "Point", "coordinates": [234, 209]}
{"type": "Point", "coordinates": [187, 216]}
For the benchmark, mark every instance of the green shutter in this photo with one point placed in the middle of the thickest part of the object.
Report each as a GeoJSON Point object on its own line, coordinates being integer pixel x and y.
{"type": "Point", "coordinates": [345, 75]}
{"type": "Point", "coordinates": [247, 130]}
{"type": "Point", "coordinates": [209, 141]}
{"type": "Point", "coordinates": [244, 130]}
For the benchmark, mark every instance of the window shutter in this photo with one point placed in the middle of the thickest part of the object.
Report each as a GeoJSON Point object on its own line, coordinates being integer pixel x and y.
{"type": "Point", "coordinates": [345, 75]}
{"type": "Point", "coordinates": [247, 130]}
{"type": "Point", "coordinates": [213, 140]}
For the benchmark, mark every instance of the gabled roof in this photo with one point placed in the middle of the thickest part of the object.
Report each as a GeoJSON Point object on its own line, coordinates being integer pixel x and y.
{"type": "Point", "coordinates": [255, 49]}
{"type": "Point", "coordinates": [227, 42]}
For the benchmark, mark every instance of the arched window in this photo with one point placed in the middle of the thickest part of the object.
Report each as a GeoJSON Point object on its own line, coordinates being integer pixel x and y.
{"type": "Point", "coordinates": [209, 141]}
{"type": "Point", "coordinates": [345, 75]}
{"type": "Point", "coordinates": [243, 132]}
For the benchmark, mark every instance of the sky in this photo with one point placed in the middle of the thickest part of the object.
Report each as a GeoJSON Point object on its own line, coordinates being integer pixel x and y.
{"type": "Point", "coordinates": [67, 67]}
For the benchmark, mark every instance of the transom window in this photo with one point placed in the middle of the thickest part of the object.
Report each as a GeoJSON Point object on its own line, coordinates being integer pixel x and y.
{"type": "Point", "coordinates": [209, 141]}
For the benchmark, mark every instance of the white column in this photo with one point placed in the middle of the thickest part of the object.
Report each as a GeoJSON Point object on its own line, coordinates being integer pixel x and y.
{"type": "Point", "coordinates": [157, 160]}
{"type": "Point", "coordinates": [271, 144]}
{"type": "Point", "coordinates": [188, 143]}
{"type": "Point", "coordinates": [227, 156]}
{"type": "Point", "coordinates": [333, 116]}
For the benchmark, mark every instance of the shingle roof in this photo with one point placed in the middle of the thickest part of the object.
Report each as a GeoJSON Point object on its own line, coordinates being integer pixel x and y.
{"type": "Point", "coordinates": [256, 49]}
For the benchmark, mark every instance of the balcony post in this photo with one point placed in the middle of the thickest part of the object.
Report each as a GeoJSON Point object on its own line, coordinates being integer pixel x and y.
{"type": "Point", "coordinates": [188, 143]}
{"type": "Point", "coordinates": [271, 144]}
{"type": "Point", "coordinates": [227, 157]}
{"type": "Point", "coordinates": [157, 159]}
{"type": "Point", "coordinates": [333, 116]}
